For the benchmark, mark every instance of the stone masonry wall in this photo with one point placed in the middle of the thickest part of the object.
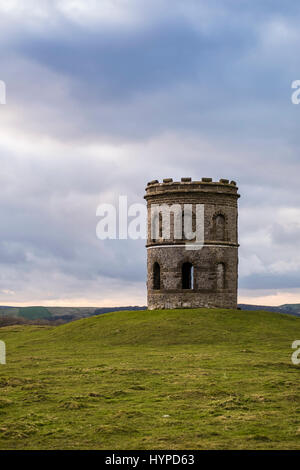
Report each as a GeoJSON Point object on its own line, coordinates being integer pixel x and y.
{"type": "Point", "coordinates": [219, 199]}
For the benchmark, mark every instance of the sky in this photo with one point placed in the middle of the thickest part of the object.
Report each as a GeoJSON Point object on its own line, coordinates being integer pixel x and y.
{"type": "Point", "coordinates": [103, 96]}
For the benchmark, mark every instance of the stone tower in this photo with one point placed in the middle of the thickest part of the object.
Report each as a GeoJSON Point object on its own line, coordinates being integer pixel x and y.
{"type": "Point", "coordinates": [182, 274]}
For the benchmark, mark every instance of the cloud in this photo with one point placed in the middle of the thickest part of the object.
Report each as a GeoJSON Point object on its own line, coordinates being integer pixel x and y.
{"type": "Point", "coordinates": [105, 96]}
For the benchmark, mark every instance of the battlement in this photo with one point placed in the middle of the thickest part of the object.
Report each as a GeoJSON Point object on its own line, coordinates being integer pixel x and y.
{"type": "Point", "coordinates": [206, 185]}
{"type": "Point", "coordinates": [189, 180]}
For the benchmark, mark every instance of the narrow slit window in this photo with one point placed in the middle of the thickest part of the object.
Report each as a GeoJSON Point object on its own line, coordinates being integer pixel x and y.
{"type": "Point", "coordinates": [156, 276]}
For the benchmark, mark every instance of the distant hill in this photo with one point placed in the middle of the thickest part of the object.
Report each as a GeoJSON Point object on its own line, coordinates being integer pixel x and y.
{"type": "Point", "coordinates": [33, 313]}
{"type": "Point", "coordinates": [67, 314]}
{"type": "Point", "coordinates": [291, 309]}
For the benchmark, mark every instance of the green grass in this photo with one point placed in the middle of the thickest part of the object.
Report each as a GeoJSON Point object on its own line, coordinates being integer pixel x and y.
{"type": "Point", "coordinates": [177, 379]}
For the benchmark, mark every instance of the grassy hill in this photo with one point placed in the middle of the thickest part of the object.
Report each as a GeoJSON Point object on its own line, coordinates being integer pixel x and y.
{"type": "Point", "coordinates": [178, 379]}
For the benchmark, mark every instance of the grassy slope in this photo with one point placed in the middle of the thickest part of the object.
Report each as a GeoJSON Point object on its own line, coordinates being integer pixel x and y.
{"type": "Point", "coordinates": [142, 380]}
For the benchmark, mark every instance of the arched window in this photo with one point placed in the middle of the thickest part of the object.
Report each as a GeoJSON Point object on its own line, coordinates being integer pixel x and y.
{"type": "Point", "coordinates": [220, 227]}
{"type": "Point", "coordinates": [187, 276]}
{"type": "Point", "coordinates": [156, 276]}
{"type": "Point", "coordinates": [221, 276]}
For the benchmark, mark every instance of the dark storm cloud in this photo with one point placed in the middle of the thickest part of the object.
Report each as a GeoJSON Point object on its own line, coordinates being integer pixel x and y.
{"type": "Point", "coordinates": [167, 75]}
{"type": "Point", "coordinates": [115, 67]}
